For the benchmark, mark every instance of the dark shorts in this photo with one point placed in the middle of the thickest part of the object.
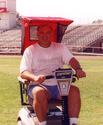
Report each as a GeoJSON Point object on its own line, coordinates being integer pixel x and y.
{"type": "Point", "coordinates": [54, 92]}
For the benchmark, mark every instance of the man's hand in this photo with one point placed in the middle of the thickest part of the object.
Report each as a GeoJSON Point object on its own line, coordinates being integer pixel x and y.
{"type": "Point", "coordinates": [39, 79]}
{"type": "Point", "coordinates": [80, 73]}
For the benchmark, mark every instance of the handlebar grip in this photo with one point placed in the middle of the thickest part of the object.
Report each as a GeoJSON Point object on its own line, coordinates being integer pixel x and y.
{"type": "Point", "coordinates": [49, 77]}
{"type": "Point", "coordinates": [74, 77]}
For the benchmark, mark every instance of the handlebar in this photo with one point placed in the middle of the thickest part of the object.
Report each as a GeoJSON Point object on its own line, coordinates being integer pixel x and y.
{"type": "Point", "coordinates": [49, 77]}
{"type": "Point", "coordinates": [52, 76]}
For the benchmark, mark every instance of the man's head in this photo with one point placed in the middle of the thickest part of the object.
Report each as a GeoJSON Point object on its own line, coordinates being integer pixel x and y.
{"type": "Point", "coordinates": [44, 33]}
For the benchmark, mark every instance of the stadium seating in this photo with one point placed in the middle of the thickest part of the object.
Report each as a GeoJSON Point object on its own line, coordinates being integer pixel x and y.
{"type": "Point", "coordinates": [10, 41]}
{"type": "Point", "coordinates": [77, 38]}
{"type": "Point", "coordinates": [82, 36]}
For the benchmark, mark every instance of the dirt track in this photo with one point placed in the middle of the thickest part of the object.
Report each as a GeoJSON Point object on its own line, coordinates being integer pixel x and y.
{"type": "Point", "coordinates": [89, 57]}
{"type": "Point", "coordinates": [78, 57]}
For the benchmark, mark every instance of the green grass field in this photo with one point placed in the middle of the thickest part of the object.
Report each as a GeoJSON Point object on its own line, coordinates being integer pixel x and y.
{"type": "Point", "coordinates": [91, 89]}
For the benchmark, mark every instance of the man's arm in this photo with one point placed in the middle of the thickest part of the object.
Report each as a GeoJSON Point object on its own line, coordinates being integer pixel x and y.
{"type": "Point", "coordinates": [74, 63]}
{"type": "Point", "coordinates": [31, 77]}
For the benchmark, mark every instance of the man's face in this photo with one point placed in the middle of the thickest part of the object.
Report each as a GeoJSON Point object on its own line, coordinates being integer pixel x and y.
{"type": "Point", "coordinates": [44, 34]}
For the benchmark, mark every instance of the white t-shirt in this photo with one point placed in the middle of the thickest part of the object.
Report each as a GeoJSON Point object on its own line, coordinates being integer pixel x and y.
{"type": "Point", "coordinates": [45, 61]}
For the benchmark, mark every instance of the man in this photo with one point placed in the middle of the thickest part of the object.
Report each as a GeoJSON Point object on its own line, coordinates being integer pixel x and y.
{"type": "Point", "coordinates": [40, 60]}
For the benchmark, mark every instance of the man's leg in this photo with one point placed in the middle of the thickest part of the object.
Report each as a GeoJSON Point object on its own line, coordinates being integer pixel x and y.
{"type": "Point", "coordinates": [74, 102]}
{"type": "Point", "coordinates": [40, 103]}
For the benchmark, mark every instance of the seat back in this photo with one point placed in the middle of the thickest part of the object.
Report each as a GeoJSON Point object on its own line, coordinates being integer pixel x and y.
{"type": "Point", "coordinates": [23, 91]}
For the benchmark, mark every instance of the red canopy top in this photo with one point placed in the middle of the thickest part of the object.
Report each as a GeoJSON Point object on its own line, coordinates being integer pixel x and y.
{"type": "Point", "coordinates": [60, 20]}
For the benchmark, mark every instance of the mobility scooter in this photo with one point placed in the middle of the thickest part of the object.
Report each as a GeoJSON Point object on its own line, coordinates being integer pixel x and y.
{"type": "Point", "coordinates": [57, 110]}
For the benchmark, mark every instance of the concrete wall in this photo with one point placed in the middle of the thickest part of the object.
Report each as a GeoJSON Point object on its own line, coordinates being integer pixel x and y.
{"type": "Point", "coordinates": [12, 20]}
{"type": "Point", "coordinates": [4, 19]}
{"type": "Point", "coordinates": [7, 20]}
{"type": "Point", "coordinates": [2, 4]}
{"type": "Point", "coordinates": [11, 5]}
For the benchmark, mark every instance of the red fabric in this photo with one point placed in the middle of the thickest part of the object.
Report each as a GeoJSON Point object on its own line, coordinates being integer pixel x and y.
{"type": "Point", "coordinates": [2, 10]}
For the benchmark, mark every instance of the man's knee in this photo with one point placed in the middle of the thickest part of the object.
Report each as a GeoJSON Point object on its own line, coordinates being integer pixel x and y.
{"type": "Point", "coordinates": [39, 94]}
